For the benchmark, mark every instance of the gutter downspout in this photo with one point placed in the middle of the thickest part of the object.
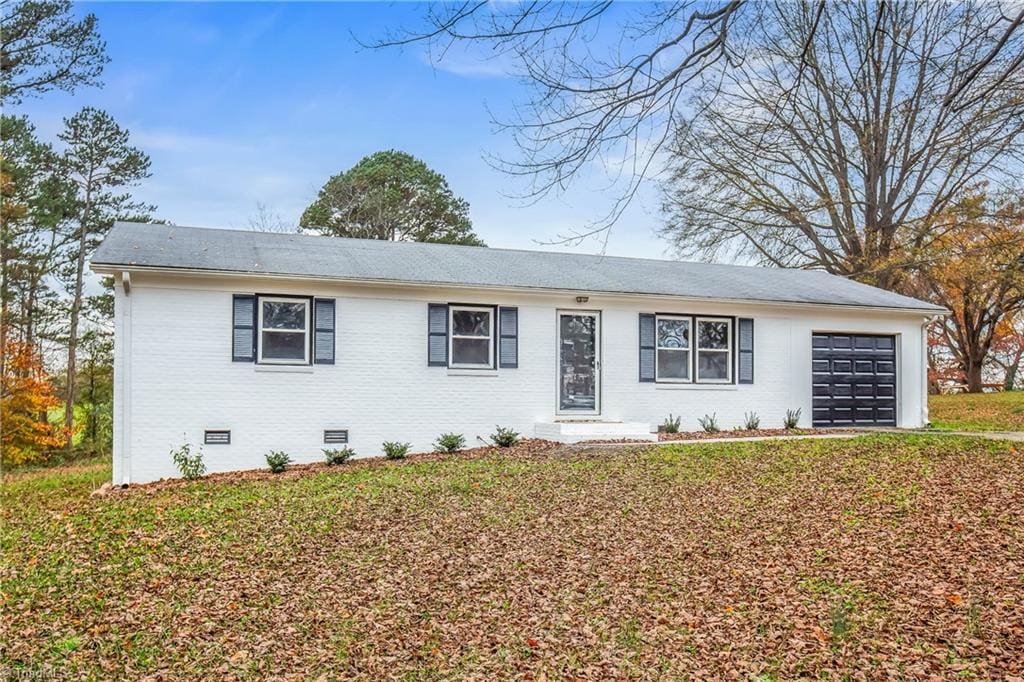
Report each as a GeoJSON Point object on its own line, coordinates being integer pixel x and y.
{"type": "Point", "coordinates": [126, 381]}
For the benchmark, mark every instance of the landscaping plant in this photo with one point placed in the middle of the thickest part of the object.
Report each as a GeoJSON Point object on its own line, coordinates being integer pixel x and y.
{"type": "Point", "coordinates": [450, 442]}
{"type": "Point", "coordinates": [671, 425]}
{"type": "Point", "coordinates": [278, 460]}
{"type": "Point", "coordinates": [189, 464]}
{"type": "Point", "coordinates": [709, 423]}
{"type": "Point", "coordinates": [504, 437]}
{"type": "Point", "coordinates": [395, 450]}
{"type": "Point", "coordinates": [792, 418]}
{"type": "Point", "coordinates": [338, 456]}
{"type": "Point", "coordinates": [751, 422]}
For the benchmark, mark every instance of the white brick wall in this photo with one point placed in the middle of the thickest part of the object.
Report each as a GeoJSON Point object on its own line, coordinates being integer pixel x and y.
{"type": "Point", "coordinates": [175, 376]}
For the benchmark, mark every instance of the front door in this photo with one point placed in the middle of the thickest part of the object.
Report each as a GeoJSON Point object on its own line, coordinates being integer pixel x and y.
{"type": "Point", "coordinates": [579, 362]}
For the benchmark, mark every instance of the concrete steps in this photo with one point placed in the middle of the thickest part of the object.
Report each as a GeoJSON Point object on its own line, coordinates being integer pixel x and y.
{"type": "Point", "coordinates": [578, 431]}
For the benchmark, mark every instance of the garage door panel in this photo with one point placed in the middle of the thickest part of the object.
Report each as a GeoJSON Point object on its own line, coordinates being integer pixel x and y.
{"type": "Point", "coordinates": [853, 379]}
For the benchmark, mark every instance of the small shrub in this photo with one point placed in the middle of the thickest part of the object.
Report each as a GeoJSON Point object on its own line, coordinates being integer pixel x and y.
{"type": "Point", "coordinates": [336, 456]}
{"type": "Point", "coordinates": [189, 464]}
{"type": "Point", "coordinates": [504, 438]}
{"type": "Point", "coordinates": [792, 418]}
{"type": "Point", "coordinates": [709, 423]}
{"type": "Point", "coordinates": [450, 442]}
{"type": "Point", "coordinates": [394, 450]}
{"type": "Point", "coordinates": [841, 622]}
{"type": "Point", "coordinates": [278, 460]}
{"type": "Point", "coordinates": [751, 422]}
{"type": "Point", "coordinates": [671, 425]}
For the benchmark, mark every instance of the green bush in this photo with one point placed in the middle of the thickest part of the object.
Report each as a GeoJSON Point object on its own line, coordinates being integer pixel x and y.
{"type": "Point", "coordinates": [751, 422]}
{"type": "Point", "coordinates": [709, 423]}
{"type": "Point", "coordinates": [671, 425]}
{"type": "Point", "coordinates": [450, 442]}
{"type": "Point", "coordinates": [278, 460]}
{"type": "Point", "coordinates": [394, 450]}
{"type": "Point", "coordinates": [504, 437]}
{"type": "Point", "coordinates": [792, 418]}
{"type": "Point", "coordinates": [336, 456]}
{"type": "Point", "coordinates": [189, 464]}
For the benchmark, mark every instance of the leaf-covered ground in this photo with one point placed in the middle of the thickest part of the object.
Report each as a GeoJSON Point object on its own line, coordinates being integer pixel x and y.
{"type": "Point", "coordinates": [882, 556]}
{"type": "Point", "coordinates": [978, 411]}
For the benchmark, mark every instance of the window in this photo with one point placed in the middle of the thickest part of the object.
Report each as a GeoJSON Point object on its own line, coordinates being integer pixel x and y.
{"type": "Point", "coordinates": [673, 348]}
{"type": "Point", "coordinates": [472, 337]}
{"type": "Point", "coordinates": [284, 330]}
{"type": "Point", "coordinates": [714, 350]}
{"type": "Point", "coordinates": [686, 348]}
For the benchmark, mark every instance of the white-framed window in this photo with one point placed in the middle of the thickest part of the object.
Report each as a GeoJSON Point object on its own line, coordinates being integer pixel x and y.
{"type": "Point", "coordinates": [714, 350]}
{"type": "Point", "coordinates": [283, 330]}
{"type": "Point", "coordinates": [673, 361]}
{"type": "Point", "coordinates": [471, 342]}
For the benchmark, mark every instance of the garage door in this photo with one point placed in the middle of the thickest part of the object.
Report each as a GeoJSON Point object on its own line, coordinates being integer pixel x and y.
{"type": "Point", "coordinates": [854, 380]}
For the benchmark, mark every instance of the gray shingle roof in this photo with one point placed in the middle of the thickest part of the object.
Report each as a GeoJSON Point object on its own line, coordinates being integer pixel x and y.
{"type": "Point", "coordinates": [169, 246]}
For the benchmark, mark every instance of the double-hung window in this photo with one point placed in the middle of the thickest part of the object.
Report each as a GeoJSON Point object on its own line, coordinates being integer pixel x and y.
{"type": "Point", "coordinates": [472, 337]}
{"type": "Point", "coordinates": [693, 349]}
{"type": "Point", "coordinates": [714, 350]}
{"type": "Point", "coordinates": [673, 338]}
{"type": "Point", "coordinates": [283, 330]}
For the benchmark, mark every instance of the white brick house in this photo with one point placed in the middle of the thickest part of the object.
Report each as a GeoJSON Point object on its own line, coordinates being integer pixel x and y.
{"type": "Point", "coordinates": [250, 342]}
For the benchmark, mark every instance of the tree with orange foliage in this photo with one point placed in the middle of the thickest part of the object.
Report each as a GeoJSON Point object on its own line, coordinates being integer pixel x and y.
{"type": "Point", "coordinates": [978, 273]}
{"type": "Point", "coordinates": [25, 396]}
{"type": "Point", "coordinates": [1008, 351]}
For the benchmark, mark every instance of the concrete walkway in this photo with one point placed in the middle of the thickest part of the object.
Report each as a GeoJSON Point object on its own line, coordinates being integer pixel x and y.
{"type": "Point", "coordinates": [696, 441]}
{"type": "Point", "coordinates": [1017, 436]}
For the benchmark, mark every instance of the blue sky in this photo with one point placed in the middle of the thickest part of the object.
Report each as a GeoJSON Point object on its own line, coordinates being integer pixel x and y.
{"type": "Point", "coordinates": [239, 103]}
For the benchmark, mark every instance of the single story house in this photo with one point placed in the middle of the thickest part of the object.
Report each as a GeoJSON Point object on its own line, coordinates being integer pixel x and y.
{"type": "Point", "coordinates": [247, 342]}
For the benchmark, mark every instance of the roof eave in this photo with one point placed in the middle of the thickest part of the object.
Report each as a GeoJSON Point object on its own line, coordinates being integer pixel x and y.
{"type": "Point", "coordinates": [115, 268]}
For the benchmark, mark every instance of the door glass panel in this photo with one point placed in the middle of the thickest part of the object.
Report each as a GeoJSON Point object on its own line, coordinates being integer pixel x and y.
{"type": "Point", "coordinates": [578, 362]}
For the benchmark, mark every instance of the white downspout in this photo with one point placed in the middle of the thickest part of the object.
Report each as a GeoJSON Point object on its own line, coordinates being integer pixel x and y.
{"type": "Point", "coordinates": [126, 380]}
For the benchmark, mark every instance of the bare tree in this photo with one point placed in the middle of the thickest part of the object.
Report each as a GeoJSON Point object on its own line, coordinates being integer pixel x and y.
{"type": "Point", "coordinates": [615, 83]}
{"type": "Point", "coordinates": [845, 131]}
{"type": "Point", "coordinates": [265, 219]}
{"type": "Point", "coordinates": [607, 82]}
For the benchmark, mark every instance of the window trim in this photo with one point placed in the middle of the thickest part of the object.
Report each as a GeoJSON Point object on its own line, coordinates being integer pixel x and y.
{"type": "Point", "coordinates": [491, 353]}
{"type": "Point", "coordinates": [694, 349]}
{"type": "Point", "coordinates": [689, 349]}
{"type": "Point", "coordinates": [729, 350]}
{"type": "Point", "coordinates": [283, 298]}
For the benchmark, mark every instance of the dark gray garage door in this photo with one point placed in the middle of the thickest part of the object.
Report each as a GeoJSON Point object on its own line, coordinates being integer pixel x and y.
{"type": "Point", "coordinates": [854, 380]}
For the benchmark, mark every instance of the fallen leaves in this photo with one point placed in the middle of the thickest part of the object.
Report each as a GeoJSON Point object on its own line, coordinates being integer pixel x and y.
{"type": "Point", "coordinates": [891, 556]}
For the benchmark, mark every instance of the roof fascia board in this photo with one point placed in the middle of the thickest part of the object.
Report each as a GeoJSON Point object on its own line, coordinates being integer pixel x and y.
{"type": "Point", "coordinates": [114, 268]}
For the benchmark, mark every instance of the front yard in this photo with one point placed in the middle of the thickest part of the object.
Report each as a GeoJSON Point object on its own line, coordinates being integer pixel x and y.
{"type": "Point", "coordinates": [893, 555]}
{"type": "Point", "coordinates": [978, 411]}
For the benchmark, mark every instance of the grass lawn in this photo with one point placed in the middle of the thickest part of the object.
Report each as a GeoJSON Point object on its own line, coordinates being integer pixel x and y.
{"type": "Point", "coordinates": [893, 555]}
{"type": "Point", "coordinates": [978, 411]}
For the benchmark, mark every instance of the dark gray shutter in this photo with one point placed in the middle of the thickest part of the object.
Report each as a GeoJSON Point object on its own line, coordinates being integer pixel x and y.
{"type": "Point", "coordinates": [508, 337]}
{"type": "Point", "coordinates": [647, 339]}
{"type": "Point", "coordinates": [437, 335]}
{"type": "Point", "coordinates": [243, 328]}
{"type": "Point", "coordinates": [323, 331]}
{"type": "Point", "coordinates": [745, 364]}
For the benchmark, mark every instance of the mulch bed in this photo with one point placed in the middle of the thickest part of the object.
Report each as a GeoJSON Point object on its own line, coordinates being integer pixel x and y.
{"type": "Point", "coordinates": [527, 447]}
{"type": "Point", "coordinates": [740, 433]}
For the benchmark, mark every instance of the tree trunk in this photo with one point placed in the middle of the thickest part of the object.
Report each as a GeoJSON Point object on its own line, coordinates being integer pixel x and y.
{"type": "Point", "coordinates": [76, 310]}
{"type": "Point", "coordinates": [1011, 376]}
{"type": "Point", "coordinates": [973, 374]}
